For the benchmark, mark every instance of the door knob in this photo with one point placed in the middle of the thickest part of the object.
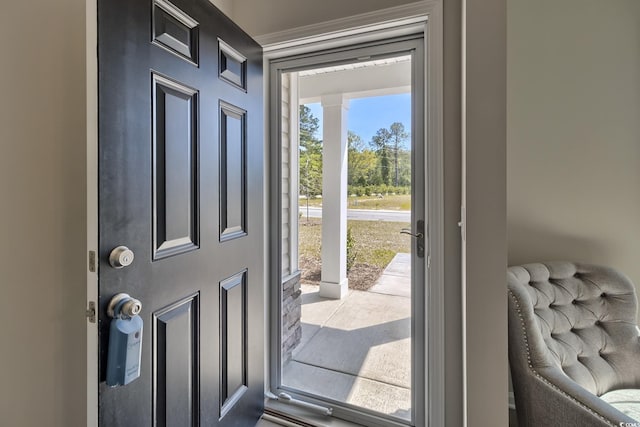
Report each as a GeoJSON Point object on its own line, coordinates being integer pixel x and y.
{"type": "Point", "coordinates": [123, 304]}
{"type": "Point", "coordinates": [121, 257]}
{"type": "Point", "coordinates": [125, 340]}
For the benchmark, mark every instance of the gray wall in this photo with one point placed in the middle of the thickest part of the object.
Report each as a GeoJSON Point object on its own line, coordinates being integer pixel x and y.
{"type": "Point", "coordinates": [452, 132]}
{"type": "Point", "coordinates": [484, 197]}
{"type": "Point", "coordinates": [42, 213]}
{"type": "Point", "coordinates": [574, 132]}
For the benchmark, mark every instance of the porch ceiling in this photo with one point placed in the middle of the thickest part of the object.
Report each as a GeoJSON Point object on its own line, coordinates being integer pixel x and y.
{"type": "Point", "coordinates": [360, 80]}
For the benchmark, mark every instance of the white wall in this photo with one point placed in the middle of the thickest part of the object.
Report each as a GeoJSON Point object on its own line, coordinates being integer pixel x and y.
{"type": "Point", "coordinates": [574, 132]}
{"type": "Point", "coordinates": [269, 16]}
{"type": "Point", "coordinates": [42, 213]}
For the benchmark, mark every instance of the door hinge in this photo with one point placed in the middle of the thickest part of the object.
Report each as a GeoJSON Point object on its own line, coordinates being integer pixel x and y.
{"type": "Point", "coordinates": [91, 312]}
{"type": "Point", "coordinates": [92, 261]}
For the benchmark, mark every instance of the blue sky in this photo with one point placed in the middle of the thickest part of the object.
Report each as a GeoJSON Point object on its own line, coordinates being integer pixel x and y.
{"type": "Point", "coordinates": [367, 115]}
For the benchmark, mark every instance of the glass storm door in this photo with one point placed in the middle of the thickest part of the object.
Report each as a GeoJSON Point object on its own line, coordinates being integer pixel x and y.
{"type": "Point", "coordinates": [351, 232]}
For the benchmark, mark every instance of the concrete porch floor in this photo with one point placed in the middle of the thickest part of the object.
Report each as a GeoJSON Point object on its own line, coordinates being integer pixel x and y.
{"type": "Point", "coordinates": [358, 350]}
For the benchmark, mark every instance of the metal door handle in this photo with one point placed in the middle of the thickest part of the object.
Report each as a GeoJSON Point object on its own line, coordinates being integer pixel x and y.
{"type": "Point", "coordinates": [408, 231]}
{"type": "Point", "coordinates": [419, 236]}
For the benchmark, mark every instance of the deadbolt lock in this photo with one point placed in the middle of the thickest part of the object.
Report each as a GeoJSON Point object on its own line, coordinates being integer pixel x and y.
{"type": "Point", "coordinates": [121, 257]}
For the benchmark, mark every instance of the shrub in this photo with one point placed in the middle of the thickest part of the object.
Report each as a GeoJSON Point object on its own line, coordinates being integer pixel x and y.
{"type": "Point", "coordinates": [351, 249]}
{"type": "Point", "coordinates": [373, 190]}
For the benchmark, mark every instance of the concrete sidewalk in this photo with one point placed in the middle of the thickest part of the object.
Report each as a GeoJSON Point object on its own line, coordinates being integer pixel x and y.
{"type": "Point", "coordinates": [396, 278]}
{"type": "Point", "coordinates": [358, 350]}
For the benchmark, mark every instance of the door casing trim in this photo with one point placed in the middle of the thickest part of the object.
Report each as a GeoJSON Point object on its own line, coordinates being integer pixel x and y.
{"type": "Point", "coordinates": [383, 26]}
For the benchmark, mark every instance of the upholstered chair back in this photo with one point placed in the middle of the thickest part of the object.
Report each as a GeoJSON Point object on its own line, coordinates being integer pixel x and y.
{"type": "Point", "coordinates": [576, 320]}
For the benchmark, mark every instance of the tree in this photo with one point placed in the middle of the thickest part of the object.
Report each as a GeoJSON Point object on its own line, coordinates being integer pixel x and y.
{"type": "Point", "coordinates": [381, 142]}
{"type": "Point", "coordinates": [389, 145]}
{"type": "Point", "coordinates": [404, 165]}
{"type": "Point", "coordinates": [398, 137]}
{"type": "Point", "coordinates": [310, 154]}
{"type": "Point", "coordinates": [309, 125]}
{"type": "Point", "coordinates": [363, 163]}
{"type": "Point", "coordinates": [355, 143]}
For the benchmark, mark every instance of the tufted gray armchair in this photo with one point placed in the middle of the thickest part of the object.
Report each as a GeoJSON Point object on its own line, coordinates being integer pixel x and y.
{"type": "Point", "coordinates": [574, 350]}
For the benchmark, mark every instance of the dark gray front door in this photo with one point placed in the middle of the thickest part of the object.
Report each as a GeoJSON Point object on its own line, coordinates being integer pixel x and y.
{"type": "Point", "coordinates": [181, 185]}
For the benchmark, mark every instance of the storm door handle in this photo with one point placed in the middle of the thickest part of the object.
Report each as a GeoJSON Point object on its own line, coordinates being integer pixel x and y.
{"type": "Point", "coordinates": [419, 236]}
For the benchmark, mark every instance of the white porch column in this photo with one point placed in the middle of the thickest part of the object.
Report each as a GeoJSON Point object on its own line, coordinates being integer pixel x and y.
{"type": "Point", "coordinates": [334, 282]}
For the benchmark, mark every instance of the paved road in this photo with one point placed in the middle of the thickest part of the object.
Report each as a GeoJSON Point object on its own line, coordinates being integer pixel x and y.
{"type": "Point", "coordinates": [363, 214]}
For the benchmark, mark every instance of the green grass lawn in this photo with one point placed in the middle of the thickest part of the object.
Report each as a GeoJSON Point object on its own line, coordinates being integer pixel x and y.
{"type": "Point", "coordinates": [398, 202]}
{"type": "Point", "coordinates": [376, 242]}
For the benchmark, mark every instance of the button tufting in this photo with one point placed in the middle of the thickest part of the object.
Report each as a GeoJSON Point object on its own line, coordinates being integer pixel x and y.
{"type": "Point", "coordinates": [603, 295]}
{"type": "Point", "coordinates": [563, 352]}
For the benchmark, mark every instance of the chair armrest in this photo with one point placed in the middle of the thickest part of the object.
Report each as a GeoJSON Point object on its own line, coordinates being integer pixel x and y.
{"type": "Point", "coordinates": [558, 401]}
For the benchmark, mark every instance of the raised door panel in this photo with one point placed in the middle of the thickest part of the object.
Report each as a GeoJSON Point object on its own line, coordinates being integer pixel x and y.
{"type": "Point", "coordinates": [233, 173]}
{"type": "Point", "coordinates": [233, 66]}
{"type": "Point", "coordinates": [175, 31]}
{"type": "Point", "coordinates": [176, 364]}
{"type": "Point", "coordinates": [175, 151]}
{"type": "Point", "coordinates": [233, 341]}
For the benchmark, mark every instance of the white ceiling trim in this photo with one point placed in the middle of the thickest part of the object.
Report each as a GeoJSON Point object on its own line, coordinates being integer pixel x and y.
{"type": "Point", "coordinates": [398, 16]}
{"type": "Point", "coordinates": [356, 65]}
{"type": "Point", "coordinates": [391, 77]}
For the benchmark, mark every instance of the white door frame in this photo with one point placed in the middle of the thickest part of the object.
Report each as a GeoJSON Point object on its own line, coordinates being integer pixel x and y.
{"type": "Point", "coordinates": [92, 207]}
{"type": "Point", "coordinates": [389, 23]}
